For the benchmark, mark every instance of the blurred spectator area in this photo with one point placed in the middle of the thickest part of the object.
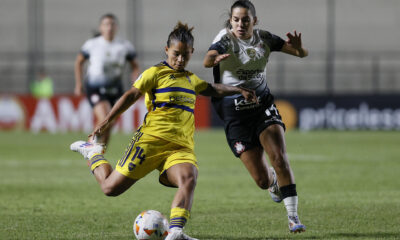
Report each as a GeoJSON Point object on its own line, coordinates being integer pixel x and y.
{"type": "Point", "coordinates": [353, 44]}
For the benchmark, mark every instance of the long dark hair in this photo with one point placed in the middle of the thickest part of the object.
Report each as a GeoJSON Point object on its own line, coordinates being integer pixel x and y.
{"type": "Point", "coordinates": [243, 4]}
{"type": "Point", "coordinates": [181, 33]}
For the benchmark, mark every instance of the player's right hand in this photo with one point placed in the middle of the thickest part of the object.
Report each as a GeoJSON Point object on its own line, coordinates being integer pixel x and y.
{"type": "Point", "coordinates": [220, 57]}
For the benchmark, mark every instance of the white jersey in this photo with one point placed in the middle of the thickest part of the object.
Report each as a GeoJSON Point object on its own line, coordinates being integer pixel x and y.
{"type": "Point", "coordinates": [106, 59]}
{"type": "Point", "coordinates": [246, 65]}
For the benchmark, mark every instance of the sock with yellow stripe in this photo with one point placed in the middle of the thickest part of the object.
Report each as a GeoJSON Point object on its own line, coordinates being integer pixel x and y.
{"type": "Point", "coordinates": [96, 160]}
{"type": "Point", "coordinates": [178, 217]}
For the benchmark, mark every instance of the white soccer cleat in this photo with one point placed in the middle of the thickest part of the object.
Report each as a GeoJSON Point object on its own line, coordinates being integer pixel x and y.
{"type": "Point", "coordinates": [295, 225]}
{"type": "Point", "coordinates": [273, 190]}
{"type": "Point", "coordinates": [87, 149]}
{"type": "Point", "coordinates": [96, 139]}
{"type": "Point", "coordinates": [177, 234]}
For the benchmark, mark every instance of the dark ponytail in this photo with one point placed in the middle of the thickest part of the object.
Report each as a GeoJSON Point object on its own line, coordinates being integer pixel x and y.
{"type": "Point", "coordinates": [181, 33]}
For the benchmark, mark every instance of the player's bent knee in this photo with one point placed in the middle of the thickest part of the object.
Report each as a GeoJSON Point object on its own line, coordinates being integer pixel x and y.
{"type": "Point", "coordinates": [111, 191]}
{"type": "Point", "coordinates": [189, 181]}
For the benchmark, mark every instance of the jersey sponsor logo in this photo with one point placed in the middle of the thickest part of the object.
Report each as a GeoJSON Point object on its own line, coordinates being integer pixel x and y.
{"type": "Point", "coordinates": [242, 104]}
{"type": "Point", "coordinates": [249, 72]}
{"type": "Point", "coordinates": [181, 99]}
{"type": "Point", "coordinates": [253, 74]}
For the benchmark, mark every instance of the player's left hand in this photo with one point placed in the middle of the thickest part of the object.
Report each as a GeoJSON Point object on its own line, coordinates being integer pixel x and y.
{"type": "Point", "coordinates": [294, 40]}
{"type": "Point", "coordinates": [99, 130]}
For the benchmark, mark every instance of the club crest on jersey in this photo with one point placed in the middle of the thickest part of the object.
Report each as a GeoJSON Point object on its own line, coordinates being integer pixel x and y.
{"type": "Point", "coordinates": [172, 77]}
{"type": "Point", "coordinates": [251, 52]}
{"type": "Point", "coordinates": [239, 147]}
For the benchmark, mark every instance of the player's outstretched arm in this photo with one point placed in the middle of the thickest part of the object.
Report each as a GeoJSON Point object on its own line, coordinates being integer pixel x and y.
{"type": "Point", "coordinates": [294, 46]}
{"type": "Point", "coordinates": [135, 70]}
{"type": "Point", "coordinates": [212, 58]}
{"type": "Point", "coordinates": [221, 90]}
{"type": "Point", "coordinates": [78, 70]}
{"type": "Point", "coordinates": [129, 98]}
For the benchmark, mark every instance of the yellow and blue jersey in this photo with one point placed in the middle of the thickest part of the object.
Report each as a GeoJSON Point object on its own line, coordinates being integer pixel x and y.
{"type": "Point", "coordinates": [170, 98]}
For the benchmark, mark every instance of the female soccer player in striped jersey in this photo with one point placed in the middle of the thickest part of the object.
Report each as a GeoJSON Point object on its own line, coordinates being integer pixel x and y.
{"type": "Point", "coordinates": [165, 140]}
{"type": "Point", "coordinates": [239, 55]}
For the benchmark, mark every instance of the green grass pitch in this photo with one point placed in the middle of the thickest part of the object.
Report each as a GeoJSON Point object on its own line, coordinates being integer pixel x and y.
{"type": "Point", "coordinates": [347, 182]}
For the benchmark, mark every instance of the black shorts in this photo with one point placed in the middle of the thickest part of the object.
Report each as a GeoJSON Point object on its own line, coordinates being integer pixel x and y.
{"type": "Point", "coordinates": [244, 122]}
{"type": "Point", "coordinates": [110, 92]}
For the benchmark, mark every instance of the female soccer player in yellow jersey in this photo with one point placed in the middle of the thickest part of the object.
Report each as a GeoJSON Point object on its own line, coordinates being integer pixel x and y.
{"type": "Point", "coordinates": [165, 140]}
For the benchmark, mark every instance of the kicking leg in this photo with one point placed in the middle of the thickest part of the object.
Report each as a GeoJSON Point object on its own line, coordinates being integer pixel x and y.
{"type": "Point", "coordinates": [112, 183]}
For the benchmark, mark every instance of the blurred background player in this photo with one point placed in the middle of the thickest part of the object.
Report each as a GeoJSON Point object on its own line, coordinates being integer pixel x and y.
{"type": "Point", "coordinates": [107, 56]}
{"type": "Point", "coordinates": [239, 55]}
{"type": "Point", "coordinates": [165, 140]}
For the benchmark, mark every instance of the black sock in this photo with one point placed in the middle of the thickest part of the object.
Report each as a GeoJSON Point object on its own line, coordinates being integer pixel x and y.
{"type": "Point", "coordinates": [288, 191]}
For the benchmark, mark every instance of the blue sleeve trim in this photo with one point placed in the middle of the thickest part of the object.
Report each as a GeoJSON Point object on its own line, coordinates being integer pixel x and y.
{"type": "Point", "coordinates": [277, 43]}
{"type": "Point", "coordinates": [86, 55]}
{"type": "Point", "coordinates": [130, 56]}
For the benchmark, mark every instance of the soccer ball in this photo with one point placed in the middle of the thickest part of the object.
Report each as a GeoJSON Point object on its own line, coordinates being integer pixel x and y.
{"type": "Point", "coordinates": [150, 224]}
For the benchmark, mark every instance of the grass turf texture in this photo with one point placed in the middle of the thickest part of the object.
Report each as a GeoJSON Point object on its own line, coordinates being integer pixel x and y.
{"type": "Point", "coordinates": [347, 183]}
